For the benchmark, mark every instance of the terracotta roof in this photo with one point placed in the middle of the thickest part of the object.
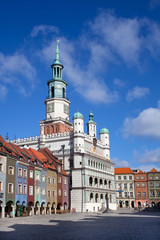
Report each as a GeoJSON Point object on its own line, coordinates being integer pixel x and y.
{"type": "Point", "coordinates": [64, 173]}
{"type": "Point", "coordinates": [39, 155]}
{"type": "Point", "coordinates": [153, 170]}
{"type": "Point", "coordinates": [139, 172]}
{"type": "Point", "coordinates": [122, 170]}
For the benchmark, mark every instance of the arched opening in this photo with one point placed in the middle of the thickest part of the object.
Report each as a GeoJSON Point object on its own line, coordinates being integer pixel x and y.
{"type": "Point", "coordinates": [96, 181]}
{"type": "Point", "coordinates": [139, 204]}
{"type": "Point", "coordinates": [59, 206]}
{"type": "Point", "coordinates": [105, 183]}
{"type": "Point", "coordinates": [57, 72]}
{"type": "Point", "coordinates": [96, 197]}
{"type": "Point", "coordinates": [53, 207]}
{"type": "Point", "coordinates": [52, 92]}
{"type": "Point", "coordinates": [36, 209]}
{"type": "Point", "coordinates": [120, 204]}
{"type": "Point", "coordinates": [8, 208]}
{"type": "Point", "coordinates": [48, 130]}
{"type": "Point", "coordinates": [153, 204]}
{"type": "Point", "coordinates": [42, 209]}
{"type": "Point", "coordinates": [109, 184]}
{"type": "Point", "coordinates": [65, 206]}
{"type": "Point", "coordinates": [132, 204]}
{"type": "Point", "coordinates": [30, 205]}
{"type": "Point", "coordinates": [90, 181]}
{"type": "Point", "coordinates": [52, 129]}
{"type": "Point", "coordinates": [91, 197]}
{"type": "Point", "coordinates": [100, 182]}
{"type": "Point", "coordinates": [158, 204]}
{"type": "Point", "coordinates": [64, 92]}
{"type": "Point", "coordinates": [48, 208]}
{"type": "Point", "coordinates": [126, 203]}
{"type": "Point", "coordinates": [107, 203]}
{"type": "Point", "coordinates": [110, 198]}
{"type": "Point", "coordinates": [1, 208]}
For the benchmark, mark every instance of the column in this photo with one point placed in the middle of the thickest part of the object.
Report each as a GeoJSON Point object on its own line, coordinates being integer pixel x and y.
{"type": "Point", "coordinates": [44, 211]}
{"type": "Point", "coordinates": [55, 210]}
{"type": "Point", "coordinates": [49, 210]}
{"type": "Point", "coordinates": [13, 210]}
{"type": "Point", "coordinates": [3, 211]}
{"type": "Point", "coordinates": [38, 211]}
{"type": "Point", "coordinates": [32, 211]}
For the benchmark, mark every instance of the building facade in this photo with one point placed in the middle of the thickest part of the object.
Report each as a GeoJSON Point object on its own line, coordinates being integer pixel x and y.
{"type": "Point", "coordinates": [141, 189]}
{"type": "Point", "coordinates": [154, 187]}
{"type": "Point", "coordinates": [69, 142]}
{"type": "Point", "coordinates": [124, 178]}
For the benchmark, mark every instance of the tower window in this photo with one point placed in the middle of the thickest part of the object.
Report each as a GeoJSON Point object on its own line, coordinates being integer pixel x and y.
{"type": "Point", "coordinates": [57, 72]}
{"type": "Point", "coordinates": [52, 92]}
{"type": "Point", "coordinates": [54, 72]}
{"type": "Point", "coordinates": [63, 92]}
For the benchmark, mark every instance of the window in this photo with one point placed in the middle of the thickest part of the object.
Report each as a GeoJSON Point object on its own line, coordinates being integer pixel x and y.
{"type": "Point", "coordinates": [125, 185]}
{"type": "Point", "coordinates": [151, 185]}
{"type": "Point", "coordinates": [59, 180]}
{"type": "Point", "coordinates": [20, 172]}
{"type": "Point", "coordinates": [137, 178]}
{"type": "Point", "coordinates": [125, 194]}
{"type": "Point", "coordinates": [88, 162]}
{"type": "Point", "coordinates": [53, 180]}
{"type": "Point", "coordinates": [142, 177]}
{"type": "Point", "coordinates": [157, 177]}
{"type": "Point", "coordinates": [37, 176]}
{"type": "Point", "coordinates": [144, 194]}
{"type": "Point", "coordinates": [49, 180]}
{"type": "Point", "coordinates": [151, 177]}
{"type": "Point", "coordinates": [59, 168]}
{"type": "Point", "coordinates": [119, 177]}
{"type": "Point", "coordinates": [131, 194]}
{"type": "Point", "coordinates": [1, 186]}
{"type": "Point", "coordinates": [31, 174]}
{"type": "Point", "coordinates": [43, 178]}
{"type": "Point", "coordinates": [43, 191]}
{"type": "Point", "coordinates": [157, 184]}
{"type": "Point", "coordinates": [1, 167]}
{"type": "Point", "coordinates": [125, 177]}
{"type": "Point", "coordinates": [143, 184]}
{"type": "Point", "coordinates": [158, 193]}
{"type": "Point", "coordinates": [138, 194]}
{"type": "Point", "coordinates": [19, 188]}
{"type": "Point", "coordinates": [25, 173]}
{"type": "Point", "coordinates": [53, 193]}
{"type": "Point", "coordinates": [10, 187]}
{"type": "Point", "coordinates": [65, 193]}
{"type": "Point", "coordinates": [138, 184]}
{"type": "Point", "coordinates": [65, 182]}
{"type": "Point", "coordinates": [120, 194]}
{"type": "Point", "coordinates": [37, 190]}
{"type": "Point", "coordinates": [130, 177]}
{"type": "Point", "coordinates": [131, 186]}
{"type": "Point", "coordinates": [59, 192]}
{"type": "Point", "coordinates": [152, 193]}
{"type": "Point", "coordinates": [11, 170]}
{"type": "Point", "coordinates": [119, 185]}
{"type": "Point", "coordinates": [24, 189]}
{"type": "Point", "coordinates": [49, 193]}
{"type": "Point", "coordinates": [31, 190]}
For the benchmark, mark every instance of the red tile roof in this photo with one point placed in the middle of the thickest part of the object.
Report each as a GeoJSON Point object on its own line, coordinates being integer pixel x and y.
{"type": "Point", "coordinates": [64, 173]}
{"type": "Point", "coordinates": [139, 172]}
{"type": "Point", "coordinates": [122, 170]}
{"type": "Point", "coordinates": [153, 170]}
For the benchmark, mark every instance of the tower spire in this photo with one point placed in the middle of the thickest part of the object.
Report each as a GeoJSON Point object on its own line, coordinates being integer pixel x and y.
{"type": "Point", "coordinates": [57, 59]}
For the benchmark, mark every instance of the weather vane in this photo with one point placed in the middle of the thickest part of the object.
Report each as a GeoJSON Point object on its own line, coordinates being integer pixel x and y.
{"type": "Point", "coordinates": [58, 41]}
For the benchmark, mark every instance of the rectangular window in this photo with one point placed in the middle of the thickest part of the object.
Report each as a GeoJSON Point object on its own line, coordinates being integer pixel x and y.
{"type": "Point", "coordinates": [125, 194]}
{"type": "Point", "coordinates": [20, 188]}
{"type": "Point", "coordinates": [151, 185]}
{"type": "Point", "coordinates": [31, 174]}
{"type": "Point", "coordinates": [37, 190]}
{"type": "Point", "coordinates": [157, 177]}
{"type": "Point", "coordinates": [1, 167]}
{"type": "Point", "coordinates": [59, 192]}
{"type": "Point", "coordinates": [119, 177]}
{"type": "Point", "coordinates": [49, 180]}
{"type": "Point", "coordinates": [142, 177]}
{"type": "Point", "coordinates": [65, 193]}
{"type": "Point", "coordinates": [125, 185]}
{"type": "Point", "coordinates": [11, 170]}
{"type": "Point", "coordinates": [151, 177]}
{"type": "Point", "coordinates": [152, 193]}
{"type": "Point", "coordinates": [49, 193]}
{"type": "Point", "coordinates": [131, 186]}
{"type": "Point", "coordinates": [59, 180]}
{"type": "Point", "coordinates": [158, 193]}
{"type": "Point", "coordinates": [37, 176]}
{"type": "Point", "coordinates": [43, 191]}
{"type": "Point", "coordinates": [19, 172]}
{"type": "Point", "coordinates": [30, 190]}
{"type": "Point", "coordinates": [137, 178]}
{"type": "Point", "coordinates": [43, 178]}
{"type": "Point", "coordinates": [138, 194]}
{"type": "Point", "coordinates": [53, 193]}
{"type": "Point", "coordinates": [25, 173]}
{"type": "Point", "coordinates": [131, 194]}
{"type": "Point", "coordinates": [125, 177]}
{"type": "Point", "coordinates": [1, 186]}
{"type": "Point", "coordinates": [120, 194]}
{"type": "Point", "coordinates": [138, 184]}
{"type": "Point", "coordinates": [59, 169]}
{"type": "Point", "coordinates": [130, 177]}
{"type": "Point", "coordinates": [157, 184]}
{"type": "Point", "coordinates": [53, 180]}
{"type": "Point", "coordinates": [119, 185]}
{"type": "Point", "coordinates": [143, 184]}
{"type": "Point", "coordinates": [144, 194]}
{"type": "Point", "coordinates": [65, 182]}
{"type": "Point", "coordinates": [10, 187]}
{"type": "Point", "coordinates": [24, 189]}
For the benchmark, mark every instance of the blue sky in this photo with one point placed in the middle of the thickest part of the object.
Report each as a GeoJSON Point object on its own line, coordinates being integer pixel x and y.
{"type": "Point", "coordinates": [111, 56]}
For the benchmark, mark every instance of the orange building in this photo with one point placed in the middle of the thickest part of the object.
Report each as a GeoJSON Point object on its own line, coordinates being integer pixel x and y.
{"type": "Point", "coordinates": [141, 189]}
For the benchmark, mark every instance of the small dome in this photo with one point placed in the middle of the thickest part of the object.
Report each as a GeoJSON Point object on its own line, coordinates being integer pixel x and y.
{"type": "Point", "coordinates": [104, 130]}
{"type": "Point", "coordinates": [78, 115]}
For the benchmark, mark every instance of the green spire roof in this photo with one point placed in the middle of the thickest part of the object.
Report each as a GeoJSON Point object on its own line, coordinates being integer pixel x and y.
{"type": "Point", "coordinates": [104, 130]}
{"type": "Point", "coordinates": [78, 115]}
{"type": "Point", "coordinates": [91, 116]}
{"type": "Point", "coordinates": [57, 60]}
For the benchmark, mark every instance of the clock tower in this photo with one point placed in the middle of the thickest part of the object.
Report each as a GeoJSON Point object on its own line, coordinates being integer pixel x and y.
{"type": "Point", "coordinates": [57, 105]}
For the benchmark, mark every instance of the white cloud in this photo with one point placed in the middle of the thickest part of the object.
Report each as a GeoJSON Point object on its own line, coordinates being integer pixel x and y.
{"type": "Point", "coordinates": [119, 83]}
{"type": "Point", "coordinates": [3, 92]}
{"type": "Point", "coordinates": [17, 71]}
{"type": "Point", "coordinates": [149, 156]}
{"type": "Point", "coordinates": [120, 163]}
{"type": "Point", "coordinates": [44, 29]}
{"type": "Point", "coordinates": [147, 124]}
{"type": "Point", "coordinates": [137, 93]}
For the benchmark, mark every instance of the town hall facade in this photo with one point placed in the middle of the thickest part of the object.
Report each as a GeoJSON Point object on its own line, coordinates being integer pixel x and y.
{"type": "Point", "coordinates": [84, 157]}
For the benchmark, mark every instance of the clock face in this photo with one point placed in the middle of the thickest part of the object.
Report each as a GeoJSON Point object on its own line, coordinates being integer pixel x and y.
{"type": "Point", "coordinates": [58, 86]}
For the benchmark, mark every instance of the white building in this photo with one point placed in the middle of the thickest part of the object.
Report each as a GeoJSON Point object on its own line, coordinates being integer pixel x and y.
{"type": "Point", "coordinates": [85, 158]}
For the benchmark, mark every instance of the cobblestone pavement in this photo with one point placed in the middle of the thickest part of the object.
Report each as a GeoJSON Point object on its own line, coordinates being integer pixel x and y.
{"type": "Point", "coordinates": [119, 225]}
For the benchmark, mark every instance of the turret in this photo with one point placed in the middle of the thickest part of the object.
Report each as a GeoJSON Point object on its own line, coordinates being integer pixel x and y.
{"type": "Point", "coordinates": [91, 126]}
{"type": "Point", "coordinates": [104, 137]}
{"type": "Point", "coordinates": [78, 122]}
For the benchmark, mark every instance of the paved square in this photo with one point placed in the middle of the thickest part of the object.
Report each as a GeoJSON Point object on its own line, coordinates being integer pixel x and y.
{"type": "Point", "coordinates": [122, 225]}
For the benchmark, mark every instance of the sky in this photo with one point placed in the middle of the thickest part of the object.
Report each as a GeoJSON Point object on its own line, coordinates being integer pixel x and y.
{"type": "Point", "coordinates": [110, 50]}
